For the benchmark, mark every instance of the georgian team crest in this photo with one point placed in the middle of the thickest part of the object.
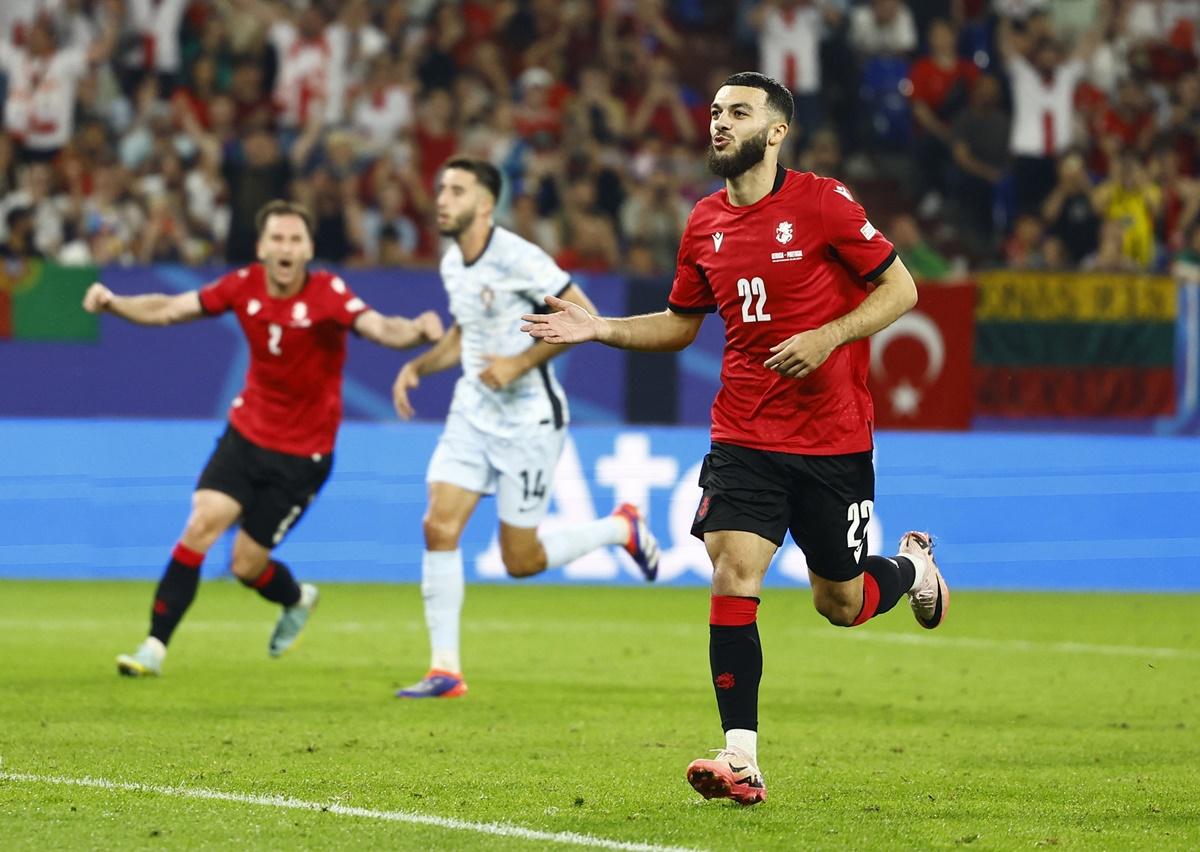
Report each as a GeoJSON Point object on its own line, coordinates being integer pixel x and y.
{"type": "Point", "coordinates": [300, 316]}
{"type": "Point", "coordinates": [783, 233]}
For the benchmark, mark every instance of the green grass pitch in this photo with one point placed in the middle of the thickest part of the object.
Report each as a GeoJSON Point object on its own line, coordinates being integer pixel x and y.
{"type": "Point", "coordinates": [1029, 720]}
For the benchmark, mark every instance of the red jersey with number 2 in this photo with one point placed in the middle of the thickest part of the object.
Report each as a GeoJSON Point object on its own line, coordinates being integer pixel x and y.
{"type": "Point", "coordinates": [796, 259]}
{"type": "Point", "coordinates": [292, 401]}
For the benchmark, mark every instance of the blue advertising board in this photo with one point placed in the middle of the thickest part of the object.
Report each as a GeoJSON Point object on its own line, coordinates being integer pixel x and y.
{"type": "Point", "coordinates": [107, 499]}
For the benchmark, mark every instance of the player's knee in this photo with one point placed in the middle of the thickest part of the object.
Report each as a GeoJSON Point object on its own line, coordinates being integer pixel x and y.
{"type": "Point", "coordinates": [246, 569]}
{"type": "Point", "coordinates": [838, 610]}
{"type": "Point", "coordinates": [522, 561]}
{"type": "Point", "coordinates": [440, 534]}
{"type": "Point", "coordinates": [202, 529]}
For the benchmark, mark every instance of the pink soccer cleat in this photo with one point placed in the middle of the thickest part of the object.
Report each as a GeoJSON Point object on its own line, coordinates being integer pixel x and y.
{"type": "Point", "coordinates": [730, 775]}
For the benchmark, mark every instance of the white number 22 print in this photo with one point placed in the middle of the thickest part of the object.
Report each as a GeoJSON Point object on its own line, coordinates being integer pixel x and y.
{"type": "Point", "coordinates": [748, 288]}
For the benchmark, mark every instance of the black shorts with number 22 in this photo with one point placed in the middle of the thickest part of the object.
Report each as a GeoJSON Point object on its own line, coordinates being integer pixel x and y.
{"type": "Point", "coordinates": [274, 488]}
{"type": "Point", "coordinates": [824, 501]}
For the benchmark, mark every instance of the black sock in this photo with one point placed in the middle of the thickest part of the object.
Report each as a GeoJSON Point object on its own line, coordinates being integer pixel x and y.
{"type": "Point", "coordinates": [175, 593]}
{"type": "Point", "coordinates": [893, 578]}
{"type": "Point", "coordinates": [276, 584]}
{"type": "Point", "coordinates": [735, 657]}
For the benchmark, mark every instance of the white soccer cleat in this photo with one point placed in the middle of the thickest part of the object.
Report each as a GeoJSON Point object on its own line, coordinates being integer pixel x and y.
{"type": "Point", "coordinates": [291, 623]}
{"type": "Point", "coordinates": [146, 661]}
{"type": "Point", "coordinates": [930, 598]}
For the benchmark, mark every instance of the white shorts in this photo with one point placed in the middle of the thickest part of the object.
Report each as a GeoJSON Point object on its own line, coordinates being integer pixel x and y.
{"type": "Point", "coordinates": [519, 471]}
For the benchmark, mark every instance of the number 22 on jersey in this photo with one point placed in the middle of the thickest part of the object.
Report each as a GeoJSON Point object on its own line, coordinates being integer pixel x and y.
{"type": "Point", "coordinates": [748, 289]}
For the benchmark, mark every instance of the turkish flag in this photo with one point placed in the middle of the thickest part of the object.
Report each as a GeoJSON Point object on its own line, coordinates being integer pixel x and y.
{"type": "Point", "coordinates": [920, 374]}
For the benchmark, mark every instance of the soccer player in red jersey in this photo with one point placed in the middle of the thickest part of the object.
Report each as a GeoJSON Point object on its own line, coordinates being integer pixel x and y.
{"type": "Point", "coordinates": [277, 450]}
{"type": "Point", "coordinates": [801, 279]}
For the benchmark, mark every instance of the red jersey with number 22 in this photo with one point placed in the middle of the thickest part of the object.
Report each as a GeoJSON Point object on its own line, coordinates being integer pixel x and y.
{"type": "Point", "coordinates": [292, 401]}
{"type": "Point", "coordinates": [796, 259]}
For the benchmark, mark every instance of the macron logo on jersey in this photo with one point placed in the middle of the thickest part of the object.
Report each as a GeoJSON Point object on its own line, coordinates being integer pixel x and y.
{"type": "Point", "coordinates": [842, 191]}
{"type": "Point", "coordinates": [717, 238]}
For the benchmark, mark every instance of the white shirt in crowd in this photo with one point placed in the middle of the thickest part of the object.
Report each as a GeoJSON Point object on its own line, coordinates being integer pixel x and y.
{"type": "Point", "coordinates": [789, 46]}
{"type": "Point", "coordinates": [310, 73]}
{"type": "Point", "coordinates": [40, 107]}
{"type": "Point", "coordinates": [157, 22]}
{"type": "Point", "coordinates": [379, 118]}
{"type": "Point", "coordinates": [487, 298]}
{"type": "Point", "coordinates": [873, 38]}
{"type": "Point", "coordinates": [1043, 110]}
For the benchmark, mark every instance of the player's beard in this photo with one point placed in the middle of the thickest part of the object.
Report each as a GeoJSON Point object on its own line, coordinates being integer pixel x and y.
{"type": "Point", "coordinates": [740, 160]}
{"type": "Point", "coordinates": [458, 225]}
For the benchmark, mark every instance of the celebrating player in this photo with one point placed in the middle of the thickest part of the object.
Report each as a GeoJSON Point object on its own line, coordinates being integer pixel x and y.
{"type": "Point", "coordinates": [801, 279]}
{"type": "Point", "coordinates": [505, 429]}
{"type": "Point", "coordinates": [277, 449]}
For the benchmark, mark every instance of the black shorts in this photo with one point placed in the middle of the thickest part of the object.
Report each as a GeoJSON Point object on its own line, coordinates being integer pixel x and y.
{"type": "Point", "coordinates": [824, 501]}
{"type": "Point", "coordinates": [273, 488]}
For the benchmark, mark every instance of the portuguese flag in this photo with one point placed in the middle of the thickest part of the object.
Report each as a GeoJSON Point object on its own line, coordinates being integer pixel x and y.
{"type": "Point", "coordinates": [1075, 345]}
{"type": "Point", "coordinates": [43, 301]}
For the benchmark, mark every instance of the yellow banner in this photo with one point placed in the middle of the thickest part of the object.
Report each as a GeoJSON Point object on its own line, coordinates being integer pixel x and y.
{"type": "Point", "coordinates": [1075, 297]}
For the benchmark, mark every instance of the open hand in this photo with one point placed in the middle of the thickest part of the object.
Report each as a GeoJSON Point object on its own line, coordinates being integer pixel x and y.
{"type": "Point", "coordinates": [568, 324]}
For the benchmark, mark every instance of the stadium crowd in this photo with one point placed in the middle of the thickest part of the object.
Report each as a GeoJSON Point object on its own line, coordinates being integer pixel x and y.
{"type": "Point", "coordinates": [1034, 134]}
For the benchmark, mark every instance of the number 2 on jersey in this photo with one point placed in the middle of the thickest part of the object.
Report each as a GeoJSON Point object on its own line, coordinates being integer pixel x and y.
{"type": "Point", "coordinates": [748, 288]}
{"type": "Point", "coordinates": [274, 335]}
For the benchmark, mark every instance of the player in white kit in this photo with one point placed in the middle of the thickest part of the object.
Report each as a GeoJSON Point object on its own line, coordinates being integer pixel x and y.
{"type": "Point", "coordinates": [506, 425]}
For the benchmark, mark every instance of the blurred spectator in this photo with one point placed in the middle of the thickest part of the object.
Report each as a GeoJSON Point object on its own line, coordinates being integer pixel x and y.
{"type": "Point", "coordinates": [1130, 198]}
{"type": "Point", "coordinates": [824, 154]}
{"type": "Point", "coordinates": [311, 57]}
{"type": "Point", "coordinates": [595, 110]}
{"type": "Point", "coordinates": [1023, 248]}
{"type": "Point", "coordinates": [1055, 256]}
{"type": "Point", "coordinates": [43, 78]}
{"type": "Point", "coordinates": [883, 28]}
{"type": "Point", "coordinates": [384, 108]}
{"type": "Point", "coordinates": [1068, 210]}
{"type": "Point", "coordinates": [1110, 255]}
{"type": "Point", "coordinates": [789, 49]}
{"type": "Point", "coordinates": [391, 220]}
{"type": "Point", "coordinates": [1043, 83]}
{"type": "Point", "coordinates": [655, 215]}
{"type": "Point", "coordinates": [923, 260]}
{"type": "Point", "coordinates": [255, 172]}
{"type": "Point", "coordinates": [941, 82]}
{"type": "Point", "coordinates": [18, 243]}
{"type": "Point", "coordinates": [980, 148]}
{"type": "Point", "coordinates": [154, 24]}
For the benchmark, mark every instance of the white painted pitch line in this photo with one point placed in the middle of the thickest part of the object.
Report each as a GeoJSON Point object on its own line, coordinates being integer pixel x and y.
{"type": "Point", "coordinates": [497, 829]}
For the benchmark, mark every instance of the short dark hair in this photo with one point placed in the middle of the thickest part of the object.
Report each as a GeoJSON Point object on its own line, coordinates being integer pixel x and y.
{"type": "Point", "coordinates": [484, 172]}
{"type": "Point", "coordinates": [778, 97]}
{"type": "Point", "coordinates": [279, 207]}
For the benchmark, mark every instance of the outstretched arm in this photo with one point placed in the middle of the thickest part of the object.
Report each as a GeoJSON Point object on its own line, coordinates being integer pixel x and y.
{"type": "Point", "coordinates": [148, 309]}
{"type": "Point", "coordinates": [441, 356]}
{"type": "Point", "coordinates": [399, 332]}
{"type": "Point", "coordinates": [894, 295]}
{"type": "Point", "coordinates": [665, 331]}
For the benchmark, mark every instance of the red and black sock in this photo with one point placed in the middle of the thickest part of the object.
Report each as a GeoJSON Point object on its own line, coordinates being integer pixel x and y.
{"type": "Point", "coordinates": [276, 584]}
{"type": "Point", "coordinates": [885, 581]}
{"type": "Point", "coordinates": [735, 655]}
{"type": "Point", "coordinates": [176, 591]}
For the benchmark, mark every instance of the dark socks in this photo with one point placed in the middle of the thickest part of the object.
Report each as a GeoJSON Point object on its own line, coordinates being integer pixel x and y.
{"type": "Point", "coordinates": [175, 592]}
{"type": "Point", "coordinates": [884, 582]}
{"type": "Point", "coordinates": [276, 584]}
{"type": "Point", "coordinates": [735, 655]}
